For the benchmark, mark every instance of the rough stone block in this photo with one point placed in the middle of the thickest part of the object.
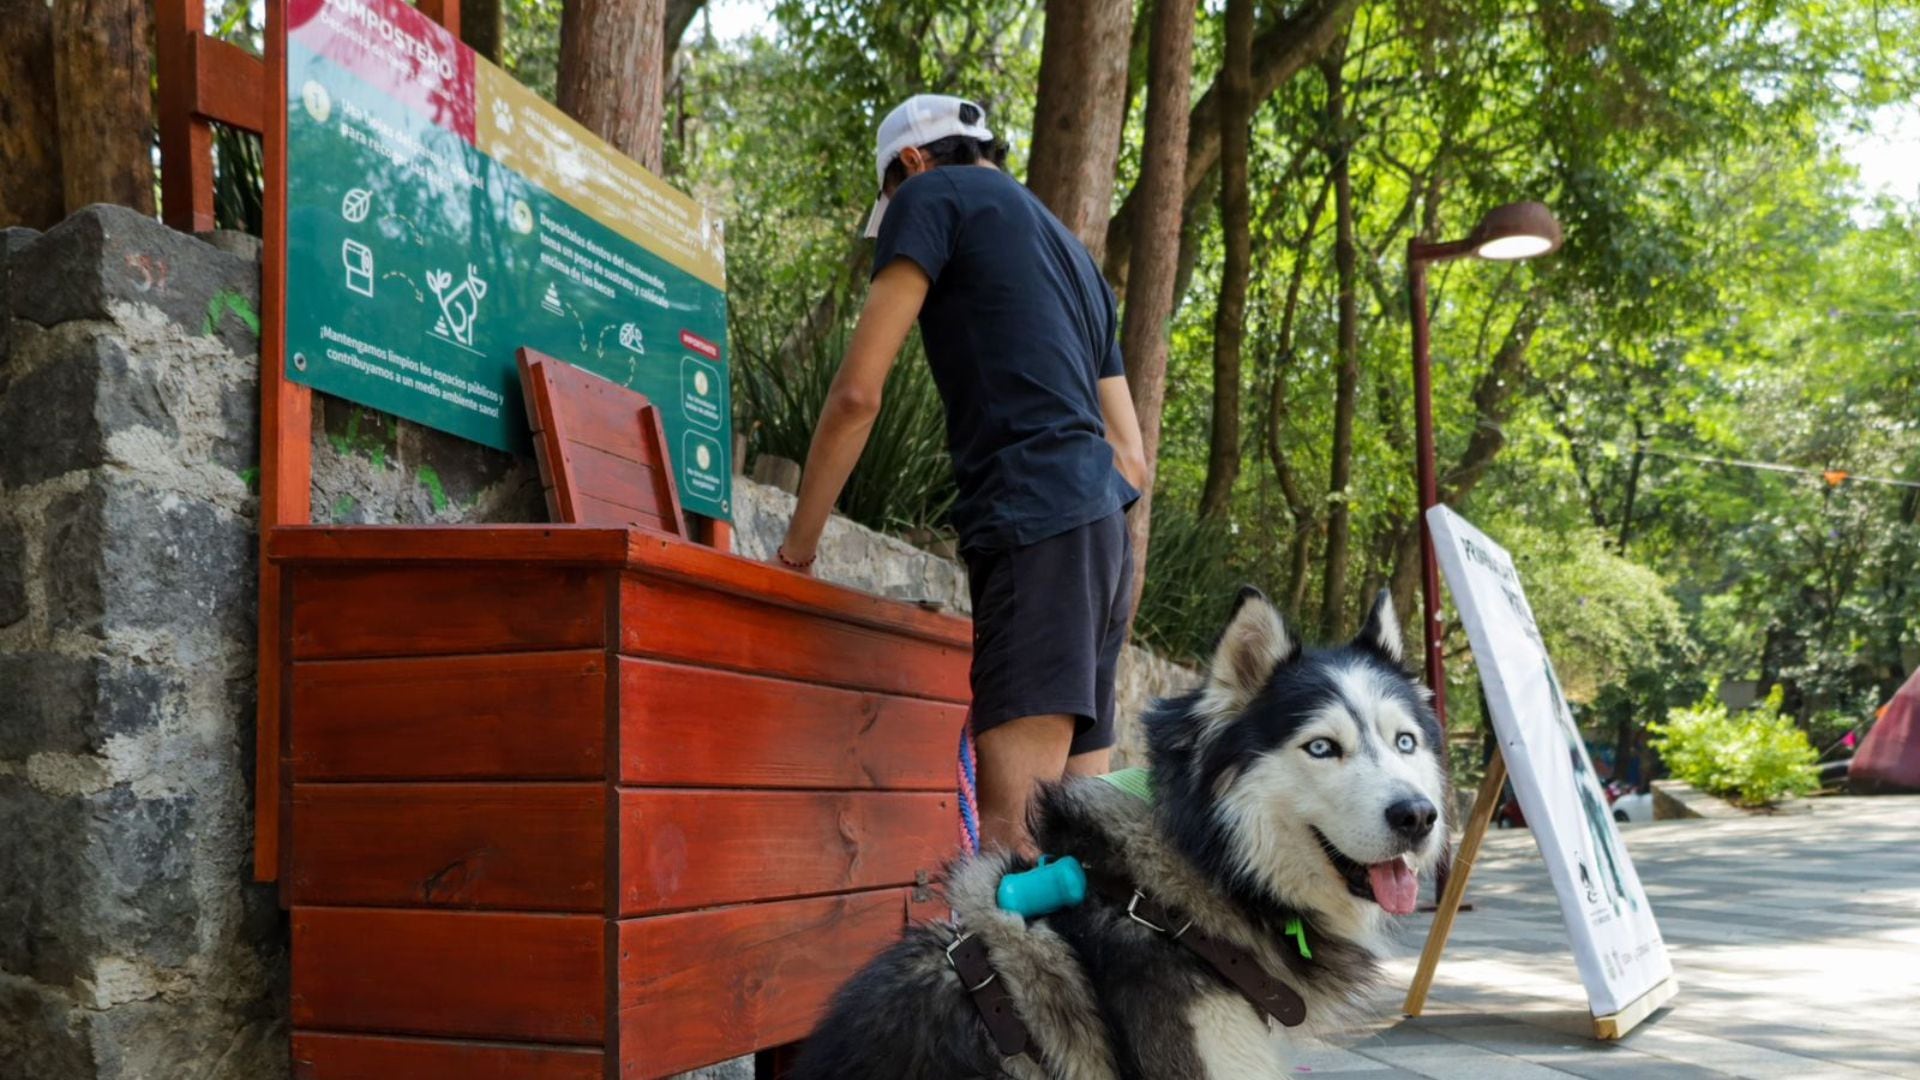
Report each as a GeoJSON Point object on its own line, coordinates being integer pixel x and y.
{"type": "Point", "coordinates": [124, 556]}
{"type": "Point", "coordinates": [40, 1033]}
{"type": "Point", "coordinates": [104, 254]}
{"type": "Point", "coordinates": [13, 574]}
{"type": "Point", "coordinates": [11, 239]}
{"type": "Point", "coordinates": [43, 831]}
{"type": "Point", "coordinates": [70, 568]}
{"type": "Point", "coordinates": [111, 876]}
{"type": "Point", "coordinates": [57, 417]}
{"type": "Point", "coordinates": [73, 705]}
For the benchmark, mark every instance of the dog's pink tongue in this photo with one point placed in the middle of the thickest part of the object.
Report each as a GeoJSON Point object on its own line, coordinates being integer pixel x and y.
{"type": "Point", "coordinates": [1394, 886]}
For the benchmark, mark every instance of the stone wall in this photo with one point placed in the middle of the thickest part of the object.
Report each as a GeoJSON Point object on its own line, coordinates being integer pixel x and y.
{"type": "Point", "coordinates": [133, 943]}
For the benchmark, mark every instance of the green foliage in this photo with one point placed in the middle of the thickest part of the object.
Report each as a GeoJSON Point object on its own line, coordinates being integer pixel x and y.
{"type": "Point", "coordinates": [1192, 580]}
{"type": "Point", "coordinates": [904, 479]}
{"type": "Point", "coordinates": [1756, 757]}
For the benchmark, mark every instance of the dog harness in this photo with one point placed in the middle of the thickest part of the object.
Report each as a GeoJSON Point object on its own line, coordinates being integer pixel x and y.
{"type": "Point", "coordinates": [968, 956]}
{"type": "Point", "coordinates": [1234, 964]}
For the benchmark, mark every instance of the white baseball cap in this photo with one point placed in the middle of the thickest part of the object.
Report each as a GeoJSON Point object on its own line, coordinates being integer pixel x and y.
{"type": "Point", "coordinates": [917, 121]}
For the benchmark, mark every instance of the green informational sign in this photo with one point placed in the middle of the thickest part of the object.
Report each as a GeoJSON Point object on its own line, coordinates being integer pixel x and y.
{"type": "Point", "coordinates": [440, 217]}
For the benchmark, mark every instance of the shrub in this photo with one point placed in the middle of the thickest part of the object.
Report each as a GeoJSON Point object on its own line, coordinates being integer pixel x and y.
{"type": "Point", "coordinates": [1755, 758]}
{"type": "Point", "coordinates": [1192, 580]}
{"type": "Point", "coordinates": [905, 477]}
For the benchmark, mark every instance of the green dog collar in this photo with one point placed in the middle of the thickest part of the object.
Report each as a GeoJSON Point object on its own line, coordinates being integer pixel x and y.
{"type": "Point", "coordinates": [1138, 783]}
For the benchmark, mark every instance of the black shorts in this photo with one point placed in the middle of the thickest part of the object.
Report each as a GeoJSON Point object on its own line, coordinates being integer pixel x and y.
{"type": "Point", "coordinates": [1049, 621]}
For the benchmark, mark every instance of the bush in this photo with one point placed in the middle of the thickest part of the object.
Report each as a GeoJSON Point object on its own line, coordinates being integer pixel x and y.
{"type": "Point", "coordinates": [1192, 580]}
{"type": "Point", "coordinates": [904, 480]}
{"type": "Point", "coordinates": [1755, 758]}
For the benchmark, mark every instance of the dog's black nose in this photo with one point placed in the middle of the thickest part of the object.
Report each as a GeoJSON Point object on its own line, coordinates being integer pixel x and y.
{"type": "Point", "coordinates": [1412, 818]}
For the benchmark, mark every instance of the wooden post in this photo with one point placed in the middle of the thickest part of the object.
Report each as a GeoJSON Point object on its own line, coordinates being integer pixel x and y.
{"type": "Point", "coordinates": [1456, 890]}
{"type": "Point", "coordinates": [186, 140]}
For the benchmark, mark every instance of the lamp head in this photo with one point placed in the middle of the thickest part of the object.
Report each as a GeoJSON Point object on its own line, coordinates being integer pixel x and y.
{"type": "Point", "coordinates": [1518, 230]}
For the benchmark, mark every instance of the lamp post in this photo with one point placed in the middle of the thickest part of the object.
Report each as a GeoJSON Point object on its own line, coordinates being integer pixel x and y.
{"type": "Point", "coordinates": [1519, 230]}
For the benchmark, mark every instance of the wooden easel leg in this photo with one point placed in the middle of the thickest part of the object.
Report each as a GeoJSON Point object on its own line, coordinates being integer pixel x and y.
{"type": "Point", "coordinates": [1477, 822]}
{"type": "Point", "coordinates": [775, 1063]}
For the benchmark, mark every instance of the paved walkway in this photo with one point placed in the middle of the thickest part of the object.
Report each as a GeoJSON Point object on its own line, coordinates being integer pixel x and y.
{"type": "Point", "coordinates": [1796, 940]}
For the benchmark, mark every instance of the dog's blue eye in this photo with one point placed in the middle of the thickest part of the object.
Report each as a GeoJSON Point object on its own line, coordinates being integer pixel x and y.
{"type": "Point", "coordinates": [1406, 743]}
{"type": "Point", "coordinates": [1323, 748]}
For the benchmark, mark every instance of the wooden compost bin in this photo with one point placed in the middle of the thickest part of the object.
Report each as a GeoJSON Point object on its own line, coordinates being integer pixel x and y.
{"type": "Point", "coordinates": [577, 802]}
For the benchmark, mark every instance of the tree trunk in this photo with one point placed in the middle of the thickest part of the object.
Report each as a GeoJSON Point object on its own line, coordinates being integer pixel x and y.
{"type": "Point", "coordinates": [1333, 582]}
{"type": "Point", "coordinates": [483, 27]}
{"type": "Point", "coordinates": [1153, 265]}
{"type": "Point", "coordinates": [1633, 486]}
{"type": "Point", "coordinates": [103, 80]}
{"type": "Point", "coordinates": [1079, 112]}
{"type": "Point", "coordinates": [30, 192]}
{"type": "Point", "coordinates": [1279, 53]}
{"type": "Point", "coordinates": [610, 76]}
{"type": "Point", "coordinates": [1236, 226]}
{"type": "Point", "coordinates": [679, 16]}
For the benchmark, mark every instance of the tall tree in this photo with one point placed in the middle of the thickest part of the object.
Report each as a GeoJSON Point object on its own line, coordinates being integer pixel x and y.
{"type": "Point", "coordinates": [1236, 227]}
{"type": "Point", "coordinates": [1078, 114]}
{"type": "Point", "coordinates": [483, 27]}
{"type": "Point", "coordinates": [1333, 582]}
{"type": "Point", "coordinates": [1154, 258]}
{"type": "Point", "coordinates": [610, 74]}
{"type": "Point", "coordinates": [30, 194]}
{"type": "Point", "coordinates": [103, 79]}
{"type": "Point", "coordinates": [1279, 53]}
{"type": "Point", "coordinates": [680, 14]}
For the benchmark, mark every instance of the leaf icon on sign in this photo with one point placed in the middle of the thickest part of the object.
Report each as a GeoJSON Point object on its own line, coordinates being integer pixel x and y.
{"type": "Point", "coordinates": [356, 204]}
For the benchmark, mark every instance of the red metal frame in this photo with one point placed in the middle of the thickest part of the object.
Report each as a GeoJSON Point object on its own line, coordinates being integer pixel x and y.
{"type": "Point", "coordinates": [1419, 254]}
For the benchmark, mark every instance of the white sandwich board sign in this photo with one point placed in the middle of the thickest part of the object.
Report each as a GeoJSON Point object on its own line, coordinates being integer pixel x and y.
{"type": "Point", "coordinates": [1616, 943]}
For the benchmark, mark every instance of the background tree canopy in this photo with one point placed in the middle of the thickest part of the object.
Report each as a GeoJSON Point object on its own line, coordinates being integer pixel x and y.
{"type": "Point", "coordinates": [1727, 292]}
{"type": "Point", "coordinates": [1697, 425]}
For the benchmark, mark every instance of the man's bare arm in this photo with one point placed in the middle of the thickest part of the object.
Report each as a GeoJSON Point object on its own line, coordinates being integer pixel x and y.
{"type": "Point", "coordinates": [893, 303]}
{"type": "Point", "coordinates": [1123, 430]}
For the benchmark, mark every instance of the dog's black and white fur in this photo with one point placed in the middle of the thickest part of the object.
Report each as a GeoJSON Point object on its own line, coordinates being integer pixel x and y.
{"type": "Point", "coordinates": [1286, 786]}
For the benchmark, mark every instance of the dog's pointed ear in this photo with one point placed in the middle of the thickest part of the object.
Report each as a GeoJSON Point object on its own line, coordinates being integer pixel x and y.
{"type": "Point", "coordinates": [1381, 634]}
{"type": "Point", "coordinates": [1255, 642]}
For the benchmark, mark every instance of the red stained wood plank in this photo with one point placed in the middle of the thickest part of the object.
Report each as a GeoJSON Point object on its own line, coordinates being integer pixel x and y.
{"type": "Point", "coordinates": [642, 553]}
{"type": "Point", "coordinates": [688, 849]}
{"type": "Point", "coordinates": [330, 1056]}
{"type": "Point", "coordinates": [230, 83]}
{"type": "Point", "coordinates": [673, 621]}
{"type": "Point", "coordinates": [286, 437]}
{"type": "Point", "coordinates": [699, 727]}
{"type": "Point", "coordinates": [536, 716]}
{"type": "Point", "coordinates": [341, 611]}
{"type": "Point", "coordinates": [601, 512]}
{"type": "Point", "coordinates": [563, 544]}
{"type": "Point", "coordinates": [710, 985]}
{"type": "Point", "coordinates": [464, 974]}
{"type": "Point", "coordinates": [533, 847]}
{"type": "Point", "coordinates": [602, 448]}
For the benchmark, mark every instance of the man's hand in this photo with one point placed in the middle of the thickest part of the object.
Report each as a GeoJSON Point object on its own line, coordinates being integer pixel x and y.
{"type": "Point", "coordinates": [853, 402]}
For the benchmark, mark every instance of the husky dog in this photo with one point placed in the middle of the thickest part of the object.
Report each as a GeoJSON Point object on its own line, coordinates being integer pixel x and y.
{"type": "Point", "coordinates": [1297, 795]}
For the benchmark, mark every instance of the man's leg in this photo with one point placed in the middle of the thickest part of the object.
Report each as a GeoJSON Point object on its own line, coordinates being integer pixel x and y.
{"type": "Point", "coordinates": [1015, 758]}
{"type": "Point", "coordinates": [1091, 763]}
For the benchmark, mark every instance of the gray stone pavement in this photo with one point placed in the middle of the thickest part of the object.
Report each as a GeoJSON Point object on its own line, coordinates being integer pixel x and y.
{"type": "Point", "coordinates": [1796, 940]}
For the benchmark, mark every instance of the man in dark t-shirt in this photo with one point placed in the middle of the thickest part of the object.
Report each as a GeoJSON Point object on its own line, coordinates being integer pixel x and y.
{"type": "Point", "coordinates": [1020, 331]}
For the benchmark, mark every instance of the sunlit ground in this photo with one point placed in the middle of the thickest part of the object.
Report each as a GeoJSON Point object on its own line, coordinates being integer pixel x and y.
{"type": "Point", "coordinates": [1796, 940]}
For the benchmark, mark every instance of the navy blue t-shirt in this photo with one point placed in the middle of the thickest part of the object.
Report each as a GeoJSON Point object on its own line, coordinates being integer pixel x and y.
{"type": "Point", "coordinates": [1019, 327]}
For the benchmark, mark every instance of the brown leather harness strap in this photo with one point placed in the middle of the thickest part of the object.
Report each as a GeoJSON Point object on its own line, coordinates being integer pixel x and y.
{"type": "Point", "coordinates": [1235, 964]}
{"type": "Point", "coordinates": [968, 955]}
